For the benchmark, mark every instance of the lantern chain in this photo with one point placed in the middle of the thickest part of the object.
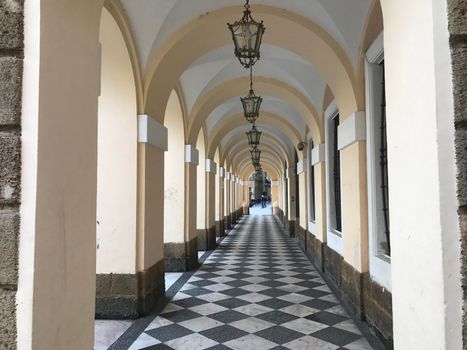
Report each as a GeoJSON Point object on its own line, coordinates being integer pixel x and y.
{"type": "Point", "coordinates": [251, 78]}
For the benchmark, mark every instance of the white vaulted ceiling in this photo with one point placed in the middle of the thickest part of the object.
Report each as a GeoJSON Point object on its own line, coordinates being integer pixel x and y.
{"type": "Point", "coordinates": [153, 22]}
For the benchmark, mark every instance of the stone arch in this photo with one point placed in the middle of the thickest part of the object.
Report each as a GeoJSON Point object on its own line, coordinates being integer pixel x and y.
{"type": "Point", "coordinates": [238, 120]}
{"type": "Point", "coordinates": [239, 142]}
{"type": "Point", "coordinates": [184, 47]}
{"type": "Point", "coordinates": [248, 169]}
{"type": "Point", "coordinates": [265, 153]}
{"type": "Point", "coordinates": [265, 86]}
{"type": "Point", "coordinates": [118, 13]}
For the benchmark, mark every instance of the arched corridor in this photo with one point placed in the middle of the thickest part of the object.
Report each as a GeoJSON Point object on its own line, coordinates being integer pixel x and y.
{"type": "Point", "coordinates": [301, 186]}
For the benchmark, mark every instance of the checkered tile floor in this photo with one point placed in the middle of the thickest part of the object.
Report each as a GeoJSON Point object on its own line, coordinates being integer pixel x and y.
{"type": "Point", "coordinates": [257, 290]}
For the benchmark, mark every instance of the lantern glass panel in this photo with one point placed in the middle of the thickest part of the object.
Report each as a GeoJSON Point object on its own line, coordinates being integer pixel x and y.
{"type": "Point", "coordinates": [255, 153]}
{"type": "Point", "coordinates": [251, 105]}
{"type": "Point", "coordinates": [253, 137]}
{"type": "Point", "coordinates": [247, 35]}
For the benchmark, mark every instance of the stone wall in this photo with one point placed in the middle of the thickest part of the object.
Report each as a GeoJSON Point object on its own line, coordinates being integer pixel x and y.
{"type": "Point", "coordinates": [458, 40]}
{"type": "Point", "coordinates": [363, 297]}
{"type": "Point", "coordinates": [11, 70]}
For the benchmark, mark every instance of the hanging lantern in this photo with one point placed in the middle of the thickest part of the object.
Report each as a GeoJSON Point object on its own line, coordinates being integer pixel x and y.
{"type": "Point", "coordinates": [251, 103]}
{"type": "Point", "coordinates": [255, 155]}
{"type": "Point", "coordinates": [247, 35]}
{"type": "Point", "coordinates": [253, 136]}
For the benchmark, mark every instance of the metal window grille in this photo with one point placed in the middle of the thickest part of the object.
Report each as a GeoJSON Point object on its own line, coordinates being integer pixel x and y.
{"type": "Point", "coordinates": [383, 162]}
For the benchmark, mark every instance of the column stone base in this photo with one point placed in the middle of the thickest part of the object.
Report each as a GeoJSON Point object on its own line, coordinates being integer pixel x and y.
{"type": "Point", "coordinates": [301, 235]}
{"type": "Point", "coordinates": [207, 239]}
{"type": "Point", "coordinates": [290, 226]}
{"type": "Point", "coordinates": [315, 247]}
{"type": "Point", "coordinates": [181, 257]}
{"type": "Point", "coordinates": [129, 296]}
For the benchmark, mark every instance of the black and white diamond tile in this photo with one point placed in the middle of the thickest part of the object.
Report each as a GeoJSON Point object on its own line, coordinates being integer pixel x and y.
{"type": "Point", "coordinates": [256, 291]}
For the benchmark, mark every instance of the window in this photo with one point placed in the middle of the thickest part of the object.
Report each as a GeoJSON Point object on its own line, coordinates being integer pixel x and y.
{"type": "Point", "coordinates": [333, 172]}
{"type": "Point", "coordinates": [311, 184]}
{"type": "Point", "coordinates": [336, 176]}
{"type": "Point", "coordinates": [377, 153]}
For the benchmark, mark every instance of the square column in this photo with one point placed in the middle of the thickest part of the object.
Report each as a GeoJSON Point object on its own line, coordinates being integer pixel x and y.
{"type": "Point", "coordinates": [292, 197]}
{"type": "Point", "coordinates": [183, 256]}
{"type": "Point", "coordinates": [208, 242]}
{"type": "Point", "coordinates": [301, 228]}
{"type": "Point", "coordinates": [319, 237]}
{"type": "Point", "coordinates": [220, 225]}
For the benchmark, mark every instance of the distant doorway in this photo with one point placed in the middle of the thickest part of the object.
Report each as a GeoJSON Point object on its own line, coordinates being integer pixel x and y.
{"type": "Point", "coordinates": [260, 193]}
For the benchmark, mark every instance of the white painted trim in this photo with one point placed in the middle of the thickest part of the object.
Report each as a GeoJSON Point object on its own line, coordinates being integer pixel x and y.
{"type": "Point", "coordinates": [335, 242]}
{"type": "Point", "coordinates": [318, 154]}
{"type": "Point", "coordinates": [375, 53]}
{"type": "Point", "coordinates": [312, 227]}
{"type": "Point", "coordinates": [191, 155]}
{"type": "Point", "coordinates": [334, 238]}
{"type": "Point", "coordinates": [301, 166]}
{"type": "Point", "coordinates": [221, 172]}
{"type": "Point", "coordinates": [380, 265]}
{"type": "Point", "coordinates": [351, 130]}
{"type": "Point", "coordinates": [150, 131]}
{"type": "Point", "coordinates": [29, 160]}
{"type": "Point", "coordinates": [331, 110]}
{"type": "Point", "coordinates": [211, 167]}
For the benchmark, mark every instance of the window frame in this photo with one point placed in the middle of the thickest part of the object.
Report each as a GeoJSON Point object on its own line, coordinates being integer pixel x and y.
{"type": "Point", "coordinates": [311, 188]}
{"type": "Point", "coordinates": [334, 237]}
{"type": "Point", "coordinates": [380, 263]}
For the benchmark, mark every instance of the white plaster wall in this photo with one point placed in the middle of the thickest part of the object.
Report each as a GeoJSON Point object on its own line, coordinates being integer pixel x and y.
{"type": "Point", "coordinates": [117, 145]}
{"type": "Point", "coordinates": [29, 129]}
{"type": "Point", "coordinates": [174, 172]}
{"type": "Point", "coordinates": [201, 183]}
{"type": "Point", "coordinates": [427, 299]}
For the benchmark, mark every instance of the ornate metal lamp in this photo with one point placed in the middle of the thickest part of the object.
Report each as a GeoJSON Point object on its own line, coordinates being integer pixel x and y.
{"type": "Point", "coordinates": [255, 155]}
{"type": "Point", "coordinates": [247, 35]}
{"type": "Point", "coordinates": [251, 103]}
{"type": "Point", "coordinates": [253, 136]}
{"type": "Point", "coordinates": [258, 167]}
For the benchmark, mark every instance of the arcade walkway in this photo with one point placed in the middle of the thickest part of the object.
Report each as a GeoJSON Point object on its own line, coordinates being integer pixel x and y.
{"type": "Point", "coordinates": [256, 291]}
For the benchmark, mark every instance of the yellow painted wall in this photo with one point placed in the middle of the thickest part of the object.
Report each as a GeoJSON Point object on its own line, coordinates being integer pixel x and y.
{"type": "Point", "coordinates": [116, 175]}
